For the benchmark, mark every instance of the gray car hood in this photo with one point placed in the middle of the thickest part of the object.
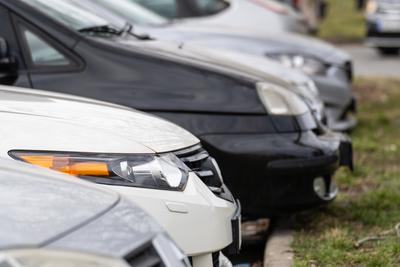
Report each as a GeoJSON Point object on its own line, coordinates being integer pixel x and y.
{"type": "Point", "coordinates": [43, 208]}
{"type": "Point", "coordinates": [250, 43]}
{"type": "Point", "coordinates": [37, 206]}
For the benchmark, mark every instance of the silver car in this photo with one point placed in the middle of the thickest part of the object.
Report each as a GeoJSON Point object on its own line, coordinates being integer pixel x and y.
{"type": "Point", "coordinates": [62, 222]}
{"type": "Point", "coordinates": [257, 16]}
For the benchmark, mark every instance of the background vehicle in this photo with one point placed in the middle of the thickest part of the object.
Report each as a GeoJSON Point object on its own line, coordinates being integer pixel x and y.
{"type": "Point", "coordinates": [234, 15]}
{"type": "Point", "coordinates": [330, 68]}
{"type": "Point", "coordinates": [312, 10]}
{"type": "Point", "coordinates": [383, 25]}
{"type": "Point", "coordinates": [58, 219]}
{"type": "Point", "coordinates": [137, 155]}
{"type": "Point", "coordinates": [223, 106]}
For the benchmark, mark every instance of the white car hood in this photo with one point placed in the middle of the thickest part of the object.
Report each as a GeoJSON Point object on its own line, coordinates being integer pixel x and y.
{"type": "Point", "coordinates": [39, 120]}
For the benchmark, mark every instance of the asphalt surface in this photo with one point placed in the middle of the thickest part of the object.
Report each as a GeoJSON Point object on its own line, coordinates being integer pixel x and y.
{"type": "Point", "coordinates": [368, 61]}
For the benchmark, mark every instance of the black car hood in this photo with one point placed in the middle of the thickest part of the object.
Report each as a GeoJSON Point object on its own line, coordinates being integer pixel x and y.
{"type": "Point", "coordinates": [37, 206]}
{"type": "Point", "coordinates": [191, 56]}
{"type": "Point", "coordinates": [260, 45]}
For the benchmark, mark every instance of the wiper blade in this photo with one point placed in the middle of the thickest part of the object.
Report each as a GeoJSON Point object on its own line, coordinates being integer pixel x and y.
{"type": "Point", "coordinates": [128, 28]}
{"type": "Point", "coordinates": [103, 29]}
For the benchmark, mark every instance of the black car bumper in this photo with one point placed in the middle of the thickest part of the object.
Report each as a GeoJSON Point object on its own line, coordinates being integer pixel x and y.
{"type": "Point", "coordinates": [273, 174]}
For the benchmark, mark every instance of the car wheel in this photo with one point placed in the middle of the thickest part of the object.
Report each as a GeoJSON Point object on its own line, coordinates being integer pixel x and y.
{"type": "Point", "coordinates": [389, 50]}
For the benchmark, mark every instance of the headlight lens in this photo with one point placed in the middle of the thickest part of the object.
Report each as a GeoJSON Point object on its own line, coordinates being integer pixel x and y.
{"type": "Point", "coordinates": [280, 101]}
{"type": "Point", "coordinates": [305, 64]}
{"type": "Point", "coordinates": [49, 258]}
{"type": "Point", "coordinates": [371, 7]}
{"type": "Point", "coordinates": [164, 171]}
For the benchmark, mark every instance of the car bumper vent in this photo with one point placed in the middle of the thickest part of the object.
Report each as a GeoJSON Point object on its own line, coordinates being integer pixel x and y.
{"type": "Point", "coordinates": [200, 162]}
{"type": "Point", "coordinates": [146, 257]}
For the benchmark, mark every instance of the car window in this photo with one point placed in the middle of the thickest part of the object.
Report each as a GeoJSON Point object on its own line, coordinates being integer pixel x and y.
{"type": "Point", "coordinates": [166, 8]}
{"type": "Point", "coordinates": [67, 13]}
{"type": "Point", "coordinates": [42, 53]}
{"type": "Point", "coordinates": [209, 7]}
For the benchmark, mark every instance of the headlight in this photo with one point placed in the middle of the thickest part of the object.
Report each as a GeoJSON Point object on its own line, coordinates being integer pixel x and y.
{"type": "Point", "coordinates": [164, 171]}
{"type": "Point", "coordinates": [306, 64]}
{"type": "Point", "coordinates": [371, 7]}
{"type": "Point", "coordinates": [280, 101]}
{"type": "Point", "coordinates": [51, 258]}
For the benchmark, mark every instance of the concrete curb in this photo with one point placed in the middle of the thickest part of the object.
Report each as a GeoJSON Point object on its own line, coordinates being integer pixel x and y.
{"type": "Point", "coordinates": [278, 252]}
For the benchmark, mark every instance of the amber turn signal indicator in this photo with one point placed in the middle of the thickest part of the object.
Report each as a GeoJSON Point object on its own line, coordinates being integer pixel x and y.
{"type": "Point", "coordinates": [66, 165]}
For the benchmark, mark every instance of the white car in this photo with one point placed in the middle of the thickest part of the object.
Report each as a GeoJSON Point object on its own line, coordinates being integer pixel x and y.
{"type": "Point", "coordinates": [158, 165]}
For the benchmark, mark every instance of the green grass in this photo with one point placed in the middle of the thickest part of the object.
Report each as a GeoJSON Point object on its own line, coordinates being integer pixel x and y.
{"type": "Point", "coordinates": [343, 22]}
{"type": "Point", "coordinates": [369, 202]}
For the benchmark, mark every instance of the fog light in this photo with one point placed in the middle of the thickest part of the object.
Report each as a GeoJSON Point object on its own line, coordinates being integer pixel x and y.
{"type": "Point", "coordinates": [325, 189]}
{"type": "Point", "coordinates": [320, 187]}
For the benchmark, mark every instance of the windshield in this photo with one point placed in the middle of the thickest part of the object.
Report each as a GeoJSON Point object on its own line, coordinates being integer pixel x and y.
{"type": "Point", "coordinates": [69, 14]}
{"type": "Point", "coordinates": [208, 7]}
{"type": "Point", "coordinates": [132, 12]}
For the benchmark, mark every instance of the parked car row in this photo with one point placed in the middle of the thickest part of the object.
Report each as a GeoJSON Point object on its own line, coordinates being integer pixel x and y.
{"type": "Point", "coordinates": [240, 120]}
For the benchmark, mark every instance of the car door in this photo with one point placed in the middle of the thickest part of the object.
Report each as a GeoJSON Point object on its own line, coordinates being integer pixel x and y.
{"type": "Point", "coordinates": [20, 77]}
{"type": "Point", "coordinates": [48, 62]}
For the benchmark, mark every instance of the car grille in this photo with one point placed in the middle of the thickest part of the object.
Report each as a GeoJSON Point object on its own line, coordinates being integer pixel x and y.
{"type": "Point", "coordinates": [200, 162]}
{"type": "Point", "coordinates": [145, 257]}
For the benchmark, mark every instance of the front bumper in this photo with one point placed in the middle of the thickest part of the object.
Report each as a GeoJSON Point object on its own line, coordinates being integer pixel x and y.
{"type": "Point", "coordinates": [342, 119]}
{"type": "Point", "coordinates": [186, 215]}
{"type": "Point", "coordinates": [236, 220]}
{"type": "Point", "coordinates": [273, 174]}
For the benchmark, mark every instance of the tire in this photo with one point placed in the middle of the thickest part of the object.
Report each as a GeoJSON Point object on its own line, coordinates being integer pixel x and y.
{"type": "Point", "coordinates": [389, 50]}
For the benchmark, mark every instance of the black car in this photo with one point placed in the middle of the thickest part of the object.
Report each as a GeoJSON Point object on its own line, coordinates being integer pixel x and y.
{"type": "Point", "coordinates": [272, 151]}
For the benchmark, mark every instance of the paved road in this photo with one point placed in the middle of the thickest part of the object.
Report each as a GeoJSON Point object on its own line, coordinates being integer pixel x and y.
{"type": "Point", "coordinates": [367, 61]}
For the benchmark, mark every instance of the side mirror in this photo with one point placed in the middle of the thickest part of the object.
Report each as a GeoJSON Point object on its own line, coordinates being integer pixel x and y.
{"type": "Point", "coordinates": [8, 64]}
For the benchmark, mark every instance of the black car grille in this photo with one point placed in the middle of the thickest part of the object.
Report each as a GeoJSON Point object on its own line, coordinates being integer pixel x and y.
{"type": "Point", "coordinates": [199, 161]}
{"type": "Point", "coordinates": [145, 257]}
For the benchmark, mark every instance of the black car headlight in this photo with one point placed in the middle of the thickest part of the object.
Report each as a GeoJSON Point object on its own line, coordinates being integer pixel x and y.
{"type": "Point", "coordinates": [45, 258]}
{"type": "Point", "coordinates": [281, 101]}
{"type": "Point", "coordinates": [304, 63]}
{"type": "Point", "coordinates": [164, 171]}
